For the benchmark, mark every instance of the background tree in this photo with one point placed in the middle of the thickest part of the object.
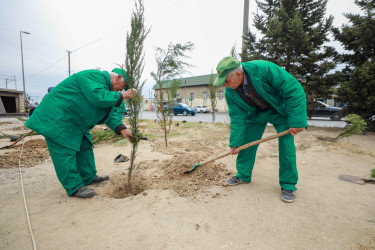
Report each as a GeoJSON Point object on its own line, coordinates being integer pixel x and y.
{"type": "Point", "coordinates": [171, 94]}
{"type": "Point", "coordinates": [134, 64]}
{"type": "Point", "coordinates": [212, 91]}
{"type": "Point", "coordinates": [294, 35]}
{"type": "Point", "coordinates": [170, 64]}
{"type": "Point", "coordinates": [358, 77]}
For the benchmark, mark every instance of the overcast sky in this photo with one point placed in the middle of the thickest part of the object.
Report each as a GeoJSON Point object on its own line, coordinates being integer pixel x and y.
{"type": "Point", "coordinates": [95, 32]}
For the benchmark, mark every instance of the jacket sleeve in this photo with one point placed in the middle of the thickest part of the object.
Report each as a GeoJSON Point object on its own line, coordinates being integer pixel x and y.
{"type": "Point", "coordinates": [291, 91]}
{"type": "Point", "coordinates": [237, 120]}
{"type": "Point", "coordinates": [115, 120]}
{"type": "Point", "coordinates": [93, 88]}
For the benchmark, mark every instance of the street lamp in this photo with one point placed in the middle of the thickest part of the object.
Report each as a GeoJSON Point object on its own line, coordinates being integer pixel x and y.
{"type": "Point", "coordinates": [23, 74]}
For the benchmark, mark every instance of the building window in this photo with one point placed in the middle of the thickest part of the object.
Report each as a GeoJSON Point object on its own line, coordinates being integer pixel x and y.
{"type": "Point", "coordinates": [221, 95]}
{"type": "Point", "coordinates": [192, 96]}
{"type": "Point", "coordinates": [204, 96]}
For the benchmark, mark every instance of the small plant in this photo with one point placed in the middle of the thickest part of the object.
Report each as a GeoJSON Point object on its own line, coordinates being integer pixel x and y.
{"type": "Point", "coordinates": [213, 99]}
{"type": "Point", "coordinates": [358, 126]}
{"type": "Point", "coordinates": [373, 173]}
{"type": "Point", "coordinates": [170, 64]}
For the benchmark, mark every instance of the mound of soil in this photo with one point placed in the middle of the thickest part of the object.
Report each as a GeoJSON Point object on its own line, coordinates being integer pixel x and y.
{"type": "Point", "coordinates": [169, 174]}
{"type": "Point", "coordinates": [34, 152]}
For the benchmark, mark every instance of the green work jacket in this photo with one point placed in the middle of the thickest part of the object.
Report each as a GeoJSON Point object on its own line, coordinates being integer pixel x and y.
{"type": "Point", "coordinates": [75, 106]}
{"type": "Point", "coordinates": [277, 87]}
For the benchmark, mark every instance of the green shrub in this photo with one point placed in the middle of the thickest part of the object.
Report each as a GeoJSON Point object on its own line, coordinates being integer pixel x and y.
{"type": "Point", "coordinates": [357, 126]}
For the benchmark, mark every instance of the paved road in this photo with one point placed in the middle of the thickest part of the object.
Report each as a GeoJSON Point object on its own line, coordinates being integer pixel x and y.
{"type": "Point", "coordinates": [224, 118]}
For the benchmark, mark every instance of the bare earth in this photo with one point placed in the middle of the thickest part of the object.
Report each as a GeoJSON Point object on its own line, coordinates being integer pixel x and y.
{"type": "Point", "coordinates": [195, 211]}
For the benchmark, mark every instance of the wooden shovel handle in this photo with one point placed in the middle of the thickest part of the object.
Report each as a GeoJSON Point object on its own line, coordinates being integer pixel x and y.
{"type": "Point", "coordinates": [250, 144]}
{"type": "Point", "coordinates": [14, 143]}
{"type": "Point", "coordinates": [368, 179]}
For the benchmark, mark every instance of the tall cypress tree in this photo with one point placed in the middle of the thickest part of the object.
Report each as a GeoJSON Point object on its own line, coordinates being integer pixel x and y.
{"type": "Point", "coordinates": [294, 36]}
{"type": "Point", "coordinates": [134, 64]}
{"type": "Point", "coordinates": [358, 77]}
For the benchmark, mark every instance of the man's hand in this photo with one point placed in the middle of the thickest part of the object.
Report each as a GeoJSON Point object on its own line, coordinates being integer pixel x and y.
{"type": "Point", "coordinates": [294, 131]}
{"type": "Point", "coordinates": [129, 93]}
{"type": "Point", "coordinates": [234, 151]}
{"type": "Point", "coordinates": [126, 133]}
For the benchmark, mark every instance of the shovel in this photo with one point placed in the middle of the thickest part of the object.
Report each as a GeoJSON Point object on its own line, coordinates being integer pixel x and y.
{"type": "Point", "coordinates": [14, 143]}
{"type": "Point", "coordinates": [239, 148]}
{"type": "Point", "coordinates": [355, 179]}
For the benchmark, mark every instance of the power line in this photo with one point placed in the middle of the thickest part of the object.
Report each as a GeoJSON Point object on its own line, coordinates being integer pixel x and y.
{"type": "Point", "coordinates": [6, 75]}
{"type": "Point", "coordinates": [101, 38]}
{"type": "Point", "coordinates": [46, 68]}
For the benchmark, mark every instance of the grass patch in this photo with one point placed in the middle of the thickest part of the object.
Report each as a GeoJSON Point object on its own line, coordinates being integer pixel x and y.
{"type": "Point", "coordinates": [174, 133]}
{"type": "Point", "coordinates": [21, 119]}
{"type": "Point", "coordinates": [105, 136]}
{"type": "Point", "coordinates": [4, 136]}
{"type": "Point", "coordinates": [122, 142]}
{"type": "Point", "coordinates": [191, 125]}
{"type": "Point", "coordinates": [373, 173]}
{"type": "Point", "coordinates": [220, 125]}
{"type": "Point", "coordinates": [153, 136]}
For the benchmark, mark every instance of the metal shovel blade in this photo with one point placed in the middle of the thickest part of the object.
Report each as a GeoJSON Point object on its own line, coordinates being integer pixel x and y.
{"type": "Point", "coordinates": [351, 178]}
{"type": "Point", "coordinates": [120, 158]}
{"type": "Point", "coordinates": [192, 168]}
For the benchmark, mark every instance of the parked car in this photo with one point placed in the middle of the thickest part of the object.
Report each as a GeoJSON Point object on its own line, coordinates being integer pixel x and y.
{"type": "Point", "coordinates": [181, 108]}
{"type": "Point", "coordinates": [201, 109]}
{"type": "Point", "coordinates": [324, 110]}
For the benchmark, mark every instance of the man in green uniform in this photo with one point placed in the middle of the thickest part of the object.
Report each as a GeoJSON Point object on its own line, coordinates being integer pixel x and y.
{"type": "Point", "coordinates": [260, 92]}
{"type": "Point", "coordinates": [66, 116]}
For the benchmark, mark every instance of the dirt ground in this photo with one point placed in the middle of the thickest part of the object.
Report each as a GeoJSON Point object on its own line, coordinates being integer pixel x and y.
{"type": "Point", "coordinates": [195, 211]}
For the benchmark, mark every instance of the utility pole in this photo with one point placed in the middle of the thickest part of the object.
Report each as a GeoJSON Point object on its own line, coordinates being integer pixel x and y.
{"type": "Point", "coordinates": [69, 60]}
{"type": "Point", "coordinates": [245, 22]}
{"type": "Point", "coordinates": [6, 83]}
{"type": "Point", "coordinates": [15, 83]}
{"type": "Point", "coordinates": [23, 74]}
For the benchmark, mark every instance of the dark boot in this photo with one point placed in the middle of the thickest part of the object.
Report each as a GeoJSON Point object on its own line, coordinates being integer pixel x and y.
{"type": "Point", "coordinates": [288, 195]}
{"type": "Point", "coordinates": [99, 179]}
{"type": "Point", "coordinates": [84, 192]}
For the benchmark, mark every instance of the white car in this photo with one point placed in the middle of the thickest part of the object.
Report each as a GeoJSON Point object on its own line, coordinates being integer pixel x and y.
{"type": "Point", "coordinates": [201, 109]}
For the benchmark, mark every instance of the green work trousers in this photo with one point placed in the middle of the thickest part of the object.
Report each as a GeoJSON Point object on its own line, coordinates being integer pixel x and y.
{"type": "Point", "coordinates": [255, 126]}
{"type": "Point", "coordinates": [73, 168]}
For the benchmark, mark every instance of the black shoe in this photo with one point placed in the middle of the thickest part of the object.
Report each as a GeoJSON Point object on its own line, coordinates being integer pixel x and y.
{"type": "Point", "coordinates": [84, 192]}
{"type": "Point", "coordinates": [288, 195]}
{"type": "Point", "coordinates": [99, 179]}
{"type": "Point", "coordinates": [234, 181]}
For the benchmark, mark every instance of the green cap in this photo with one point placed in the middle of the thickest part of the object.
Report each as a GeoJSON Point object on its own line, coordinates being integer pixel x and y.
{"type": "Point", "coordinates": [121, 72]}
{"type": "Point", "coordinates": [226, 65]}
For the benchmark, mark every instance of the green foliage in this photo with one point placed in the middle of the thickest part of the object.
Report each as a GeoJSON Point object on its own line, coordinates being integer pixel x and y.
{"type": "Point", "coordinates": [99, 136]}
{"type": "Point", "coordinates": [294, 35]}
{"type": "Point", "coordinates": [373, 173]}
{"type": "Point", "coordinates": [357, 78]}
{"type": "Point", "coordinates": [358, 125]}
{"type": "Point", "coordinates": [170, 64]}
{"type": "Point", "coordinates": [213, 100]}
{"type": "Point", "coordinates": [134, 64]}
